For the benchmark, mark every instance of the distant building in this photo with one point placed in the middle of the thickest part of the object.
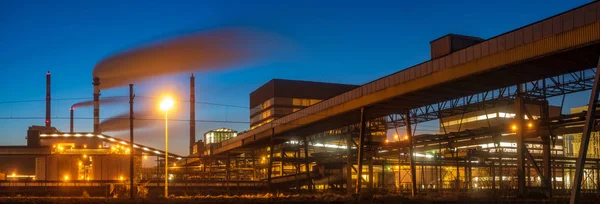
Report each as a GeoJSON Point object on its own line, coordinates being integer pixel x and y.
{"type": "Point", "coordinates": [498, 117]}
{"type": "Point", "coordinates": [573, 141]}
{"type": "Point", "coordinates": [280, 97]}
{"type": "Point", "coordinates": [198, 148]}
{"type": "Point", "coordinates": [502, 115]}
{"type": "Point", "coordinates": [219, 135]}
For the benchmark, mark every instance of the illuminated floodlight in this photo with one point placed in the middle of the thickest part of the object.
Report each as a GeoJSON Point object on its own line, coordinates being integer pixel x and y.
{"type": "Point", "coordinates": [145, 149]}
{"type": "Point", "coordinates": [100, 136]}
{"type": "Point", "coordinates": [111, 139]}
{"type": "Point", "coordinates": [89, 135]}
{"type": "Point", "coordinates": [166, 104]}
{"type": "Point", "coordinates": [78, 135]}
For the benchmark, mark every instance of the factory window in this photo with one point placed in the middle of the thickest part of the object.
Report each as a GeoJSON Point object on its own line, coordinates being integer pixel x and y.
{"type": "Point", "coordinates": [219, 135]}
{"type": "Point", "coordinates": [482, 117]}
{"type": "Point", "coordinates": [261, 123]}
{"type": "Point", "coordinates": [262, 106]}
{"type": "Point", "coordinates": [262, 116]}
{"type": "Point", "coordinates": [304, 102]}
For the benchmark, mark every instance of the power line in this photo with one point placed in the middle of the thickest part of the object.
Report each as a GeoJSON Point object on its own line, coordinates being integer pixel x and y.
{"type": "Point", "coordinates": [90, 98]}
{"type": "Point", "coordinates": [201, 102]}
{"type": "Point", "coordinates": [149, 119]}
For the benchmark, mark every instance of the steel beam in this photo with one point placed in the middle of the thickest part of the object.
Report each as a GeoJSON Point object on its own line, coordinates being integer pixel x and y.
{"type": "Point", "coordinates": [585, 138]}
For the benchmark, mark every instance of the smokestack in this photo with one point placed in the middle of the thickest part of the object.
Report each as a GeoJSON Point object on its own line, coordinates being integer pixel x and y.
{"type": "Point", "coordinates": [192, 113]}
{"type": "Point", "coordinates": [71, 120]}
{"type": "Point", "coordinates": [48, 108]}
{"type": "Point", "coordinates": [96, 84]}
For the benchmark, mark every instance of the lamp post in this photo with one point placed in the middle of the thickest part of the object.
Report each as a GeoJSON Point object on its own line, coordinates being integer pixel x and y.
{"type": "Point", "coordinates": [166, 105]}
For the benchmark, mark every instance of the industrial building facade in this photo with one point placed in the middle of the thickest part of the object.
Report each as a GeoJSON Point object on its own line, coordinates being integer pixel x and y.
{"type": "Point", "coordinates": [280, 97]}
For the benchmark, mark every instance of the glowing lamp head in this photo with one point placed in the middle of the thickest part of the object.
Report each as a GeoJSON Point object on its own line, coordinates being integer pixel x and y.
{"type": "Point", "coordinates": [166, 104]}
{"type": "Point", "coordinates": [513, 127]}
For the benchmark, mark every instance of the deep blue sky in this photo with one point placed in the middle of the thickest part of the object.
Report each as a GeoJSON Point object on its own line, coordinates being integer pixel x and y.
{"type": "Point", "coordinates": [335, 41]}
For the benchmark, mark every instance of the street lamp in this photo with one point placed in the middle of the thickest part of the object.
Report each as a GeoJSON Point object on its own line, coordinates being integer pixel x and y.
{"type": "Point", "coordinates": [165, 106]}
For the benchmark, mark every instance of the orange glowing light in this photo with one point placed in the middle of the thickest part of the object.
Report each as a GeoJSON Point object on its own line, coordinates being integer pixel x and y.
{"type": "Point", "coordinates": [530, 125]}
{"type": "Point", "coordinates": [166, 104]}
{"type": "Point", "coordinates": [513, 127]}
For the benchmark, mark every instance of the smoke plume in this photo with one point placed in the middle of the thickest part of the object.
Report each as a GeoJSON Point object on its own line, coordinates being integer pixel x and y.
{"type": "Point", "coordinates": [207, 50]}
{"type": "Point", "coordinates": [103, 101]}
{"type": "Point", "coordinates": [121, 122]}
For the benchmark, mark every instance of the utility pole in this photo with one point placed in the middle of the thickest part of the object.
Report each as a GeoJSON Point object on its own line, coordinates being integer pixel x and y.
{"type": "Point", "coordinates": [131, 150]}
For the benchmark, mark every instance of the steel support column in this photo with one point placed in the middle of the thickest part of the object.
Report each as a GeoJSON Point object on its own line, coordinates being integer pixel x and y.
{"type": "Point", "coordinates": [361, 149]}
{"type": "Point", "coordinates": [546, 153]}
{"type": "Point", "coordinates": [413, 174]}
{"type": "Point", "coordinates": [585, 138]}
{"type": "Point", "coordinates": [307, 163]}
{"type": "Point", "coordinates": [270, 165]}
{"type": "Point", "coordinates": [493, 174]}
{"type": "Point", "coordinates": [227, 167]}
{"type": "Point", "coordinates": [349, 162]}
{"type": "Point", "coordinates": [520, 132]}
{"type": "Point", "coordinates": [370, 156]}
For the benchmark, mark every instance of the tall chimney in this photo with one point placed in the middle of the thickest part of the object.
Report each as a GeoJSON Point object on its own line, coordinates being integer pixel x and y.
{"type": "Point", "coordinates": [96, 84]}
{"type": "Point", "coordinates": [48, 107]}
{"type": "Point", "coordinates": [71, 119]}
{"type": "Point", "coordinates": [192, 113]}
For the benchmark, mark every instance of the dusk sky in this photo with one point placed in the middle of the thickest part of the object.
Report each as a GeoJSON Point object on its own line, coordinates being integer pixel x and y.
{"type": "Point", "coordinates": [351, 42]}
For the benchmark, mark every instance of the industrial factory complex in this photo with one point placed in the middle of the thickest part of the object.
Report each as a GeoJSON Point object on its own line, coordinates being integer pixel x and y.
{"type": "Point", "coordinates": [496, 133]}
